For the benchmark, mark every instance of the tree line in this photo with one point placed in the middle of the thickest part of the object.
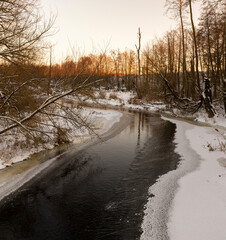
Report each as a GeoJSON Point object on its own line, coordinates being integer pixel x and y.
{"type": "Point", "coordinates": [186, 67]}
{"type": "Point", "coordinates": [179, 65]}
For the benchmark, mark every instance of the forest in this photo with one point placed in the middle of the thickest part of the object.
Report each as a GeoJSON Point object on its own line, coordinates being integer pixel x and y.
{"type": "Point", "coordinates": [185, 68]}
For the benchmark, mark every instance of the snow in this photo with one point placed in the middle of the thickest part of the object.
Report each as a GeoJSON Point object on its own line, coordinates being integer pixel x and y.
{"type": "Point", "coordinates": [218, 120]}
{"type": "Point", "coordinates": [110, 97]}
{"type": "Point", "coordinates": [12, 149]}
{"type": "Point", "coordinates": [126, 100]}
{"type": "Point", "coordinates": [190, 202]}
{"type": "Point", "coordinates": [105, 119]}
{"type": "Point", "coordinates": [198, 209]}
{"type": "Point", "coordinates": [10, 184]}
{"type": "Point", "coordinates": [155, 221]}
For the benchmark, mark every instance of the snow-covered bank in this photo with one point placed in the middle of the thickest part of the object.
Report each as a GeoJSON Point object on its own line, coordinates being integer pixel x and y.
{"type": "Point", "coordinates": [128, 100]}
{"type": "Point", "coordinates": [10, 184]}
{"type": "Point", "coordinates": [198, 209]}
{"type": "Point", "coordinates": [190, 202]}
{"type": "Point", "coordinates": [155, 221]}
{"type": "Point", "coordinates": [13, 149]}
{"type": "Point", "coordinates": [104, 119]}
{"type": "Point", "coordinates": [13, 178]}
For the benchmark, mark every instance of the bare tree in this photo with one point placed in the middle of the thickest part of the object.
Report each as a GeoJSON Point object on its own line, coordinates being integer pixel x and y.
{"type": "Point", "coordinates": [138, 80]}
{"type": "Point", "coordinates": [177, 9]}
{"type": "Point", "coordinates": [159, 65]}
{"type": "Point", "coordinates": [25, 107]}
{"type": "Point", "coordinates": [189, 3]}
{"type": "Point", "coordinates": [116, 59]}
{"type": "Point", "coordinates": [212, 38]}
{"type": "Point", "coordinates": [22, 30]}
{"type": "Point", "coordinates": [50, 70]}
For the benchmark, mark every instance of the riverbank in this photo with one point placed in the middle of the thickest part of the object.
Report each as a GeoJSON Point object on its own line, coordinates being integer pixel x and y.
{"type": "Point", "coordinates": [194, 208]}
{"type": "Point", "coordinates": [128, 100]}
{"type": "Point", "coordinates": [14, 148]}
{"type": "Point", "coordinates": [108, 123]}
{"type": "Point", "coordinates": [188, 203]}
{"type": "Point", "coordinates": [198, 209]}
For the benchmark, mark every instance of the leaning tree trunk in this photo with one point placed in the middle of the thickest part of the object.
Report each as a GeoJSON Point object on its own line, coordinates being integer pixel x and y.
{"type": "Point", "coordinates": [207, 99]}
{"type": "Point", "coordinates": [224, 94]}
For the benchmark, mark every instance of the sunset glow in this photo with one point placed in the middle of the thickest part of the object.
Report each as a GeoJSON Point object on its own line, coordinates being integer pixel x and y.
{"type": "Point", "coordinates": [93, 25]}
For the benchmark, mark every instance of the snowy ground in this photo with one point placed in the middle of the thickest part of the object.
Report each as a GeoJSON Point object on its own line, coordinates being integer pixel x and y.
{"type": "Point", "coordinates": [127, 100]}
{"type": "Point", "coordinates": [198, 210]}
{"type": "Point", "coordinates": [190, 202]}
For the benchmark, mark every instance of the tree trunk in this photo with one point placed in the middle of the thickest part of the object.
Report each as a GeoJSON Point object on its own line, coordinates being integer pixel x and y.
{"type": "Point", "coordinates": [196, 48]}
{"type": "Point", "coordinates": [50, 70]}
{"type": "Point", "coordinates": [183, 49]}
{"type": "Point", "coordinates": [138, 83]}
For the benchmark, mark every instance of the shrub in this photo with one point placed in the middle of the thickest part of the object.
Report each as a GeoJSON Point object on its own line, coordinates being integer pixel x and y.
{"type": "Point", "coordinates": [61, 136]}
{"type": "Point", "coordinates": [102, 95]}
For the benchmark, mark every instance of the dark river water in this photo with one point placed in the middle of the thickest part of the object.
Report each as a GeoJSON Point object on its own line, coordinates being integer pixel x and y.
{"type": "Point", "coordinates": [97, 193]}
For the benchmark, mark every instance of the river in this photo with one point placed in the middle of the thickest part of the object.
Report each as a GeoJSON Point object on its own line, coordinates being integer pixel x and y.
{"type": "Point", "coordinates": [96, 193]}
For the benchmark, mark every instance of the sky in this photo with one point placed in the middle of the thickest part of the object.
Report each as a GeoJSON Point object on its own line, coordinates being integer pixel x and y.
{"type": "Point", "coordinates": [94, 25]}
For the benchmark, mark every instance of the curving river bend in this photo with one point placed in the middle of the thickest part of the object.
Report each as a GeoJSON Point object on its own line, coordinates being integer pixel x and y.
{"type": "Point", "coordinates": [96, 193]}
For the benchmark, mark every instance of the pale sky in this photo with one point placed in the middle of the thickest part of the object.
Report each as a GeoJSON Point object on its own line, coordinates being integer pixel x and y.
{"type": "Point", "coordinates": [92, 24]}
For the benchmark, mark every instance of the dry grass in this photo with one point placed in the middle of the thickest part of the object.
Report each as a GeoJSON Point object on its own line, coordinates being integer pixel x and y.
{"type": "Point", "coordinates": [221, 146]}
{"type": "Point", "coordinates": [113, 96]}
{"type": "Point", "coordinates": [135, 101]}
{"type": "Point", "coordinates": [102, 95]}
